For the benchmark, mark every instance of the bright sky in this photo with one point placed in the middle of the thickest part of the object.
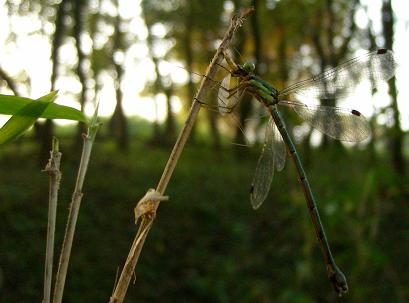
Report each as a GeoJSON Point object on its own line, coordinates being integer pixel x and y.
{"type": "Point", "coordinates": [31, 54]}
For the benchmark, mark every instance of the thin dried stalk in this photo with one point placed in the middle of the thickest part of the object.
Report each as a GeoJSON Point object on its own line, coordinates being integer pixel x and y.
{"type": "Point", "coordinates": [53, 170]}
{"type": "Point", "coordinates": [147, 219]}
{"type": "Point", "coordinates": [74, 210]}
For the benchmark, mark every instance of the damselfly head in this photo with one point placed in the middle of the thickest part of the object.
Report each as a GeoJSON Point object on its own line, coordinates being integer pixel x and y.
{"type": "Point", "coordinates": [248, 67]}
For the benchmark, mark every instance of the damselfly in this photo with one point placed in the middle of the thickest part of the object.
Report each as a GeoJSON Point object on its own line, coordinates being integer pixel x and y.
{"type": "Point", "coordinates": [339, 123]}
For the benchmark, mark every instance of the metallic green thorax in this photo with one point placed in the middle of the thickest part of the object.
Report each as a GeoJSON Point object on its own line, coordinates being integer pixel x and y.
{"type": "Point", "coordinates": [267, 93]}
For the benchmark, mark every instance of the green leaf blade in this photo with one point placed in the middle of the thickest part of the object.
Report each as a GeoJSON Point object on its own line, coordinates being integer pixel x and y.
{"type": "Point", "coordinates": [25, 118]}
{"type": "Point", "coordinates": [13, 105]}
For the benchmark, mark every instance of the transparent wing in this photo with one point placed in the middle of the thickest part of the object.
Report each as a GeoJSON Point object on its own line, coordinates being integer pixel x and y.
{"type": "Point", "coordinates": [339, 123]}
{"type": "Point", "coordinates": [224, 100]}
{"type": "Point", "coordinates": [264, 170]}
{"type": "Point", "coordinates": [279, 149]}
{"type": "Point", "coordinates": [376, 67]}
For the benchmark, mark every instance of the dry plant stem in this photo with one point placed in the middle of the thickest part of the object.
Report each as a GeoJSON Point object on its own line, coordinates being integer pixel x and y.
{"type": "Point", "coordinates": [147, 219]}
{"type": "Point", "coordinates": [53, 170]}
{"type": "Point", "coordinates": [73, 214]}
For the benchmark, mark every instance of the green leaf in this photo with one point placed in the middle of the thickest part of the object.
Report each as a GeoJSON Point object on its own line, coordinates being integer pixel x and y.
{"type": "Point", "coordinates": [25, 118]}
{"type": "Point", "coordinates": [11, 105]}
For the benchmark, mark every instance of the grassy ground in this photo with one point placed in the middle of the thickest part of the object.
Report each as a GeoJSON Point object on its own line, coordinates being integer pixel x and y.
{"type": "Point", "coordinates": [207, 244]}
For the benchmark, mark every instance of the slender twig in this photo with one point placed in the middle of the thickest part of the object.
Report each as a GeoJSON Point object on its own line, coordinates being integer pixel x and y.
{"type": "Point", "coordinates": [53, 170]}
{"type": "Point", "coordinates": [74, 210]}
{"type": "Point", "coordinates": [147, 219]}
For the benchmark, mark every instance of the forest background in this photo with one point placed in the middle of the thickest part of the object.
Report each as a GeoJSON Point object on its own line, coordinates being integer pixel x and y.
{"type": "Point", "coordinates": [207, 244]}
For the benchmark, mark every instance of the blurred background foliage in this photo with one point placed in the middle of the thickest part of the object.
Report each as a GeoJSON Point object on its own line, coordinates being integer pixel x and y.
{"type": "Point", "coordinates": [207, 244]}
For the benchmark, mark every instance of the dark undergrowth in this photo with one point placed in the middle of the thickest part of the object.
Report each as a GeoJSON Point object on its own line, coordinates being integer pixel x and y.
{"type": "Point", "coordinates": [207, 244]}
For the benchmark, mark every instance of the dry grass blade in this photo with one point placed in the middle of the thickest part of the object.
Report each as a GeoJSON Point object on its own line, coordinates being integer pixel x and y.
{"type": "Point", "coordinates": [53, 170]}
{"type": "Point", "coordinates": [74, 208]}
{"type": "Point", "coordinates": [147, 219]}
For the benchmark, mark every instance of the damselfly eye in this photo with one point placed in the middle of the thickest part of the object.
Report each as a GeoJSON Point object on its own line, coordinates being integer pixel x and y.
{"type": "Point", "coordinates": [248, 67]}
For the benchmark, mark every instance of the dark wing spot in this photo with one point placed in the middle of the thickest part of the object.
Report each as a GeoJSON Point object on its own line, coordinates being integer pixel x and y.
{"type": "Point", "coordinates": [251, 189]}
{"type": "Point", "coordinates": [381, 51]}
{"type": "Point", "coordinates": [355, 112]}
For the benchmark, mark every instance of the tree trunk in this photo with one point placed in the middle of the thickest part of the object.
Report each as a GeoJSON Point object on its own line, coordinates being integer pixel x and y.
{"type": "Point", "coordinates": [214, 130]}
{"type": "Point", "coordinates": [189, 24]}
{"type": "Point", "coordinates": [372, 122]}
{"type": "Point", "coordinates": [396, 137]}
{"type": "Point", "coordinates": [245, 105]}
{"type": "Point", "coordinates": [159, 86]}
{"type": "Point", "coordinates": [170, 130]}
{"type": "Point", "coordinates": [329, 54]}
{"type": "Point", "coordinates": [45, 132]}
{"type": "Point", "coordinates": [79, 6]}
{"type": "Point", "coordinates": [10, 82]}
{"type": "Point", "coordinates": [118, 124]}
